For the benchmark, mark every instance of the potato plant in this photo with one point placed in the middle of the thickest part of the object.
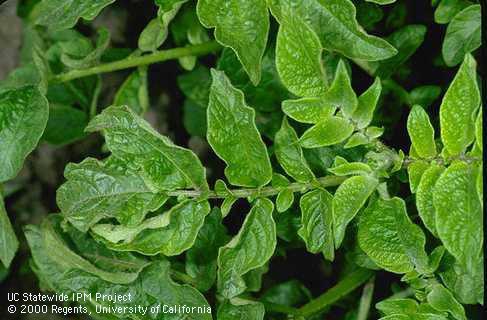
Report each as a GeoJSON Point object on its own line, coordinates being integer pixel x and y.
{"type": "Point", "coordinates": [309, 172]}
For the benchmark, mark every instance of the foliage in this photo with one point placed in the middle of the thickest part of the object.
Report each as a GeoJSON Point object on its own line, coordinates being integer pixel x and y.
{"type": "Point", "coordinates": [302, 148]}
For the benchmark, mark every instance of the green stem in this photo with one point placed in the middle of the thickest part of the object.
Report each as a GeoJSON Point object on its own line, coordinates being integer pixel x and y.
{"type": "Point", "coordinates": [279, 308]}
{"type": "Point", "coordinates": [341, 289]}
{"type": "Point", "coordinates": [366, 300]}
{"type": "Point", "coordinates": [329, 181]}
{"type": "Point", "coordinates": [133, 61]}
{"type": "Point", "coordinates": [182, 277]}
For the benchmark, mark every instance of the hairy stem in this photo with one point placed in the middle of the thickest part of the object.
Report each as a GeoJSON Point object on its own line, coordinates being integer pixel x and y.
{"type": "Point", "coordinates": [341, 289]}
{"type": "Point", "coordinates": [134, 61]}
{"type": "Point", "coordinates": [328, 181]}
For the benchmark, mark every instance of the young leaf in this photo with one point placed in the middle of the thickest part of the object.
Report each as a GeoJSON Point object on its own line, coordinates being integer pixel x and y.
{"type": "Point", "coordinates": [234, 137]}
{"type": "Point", "coordinates": [95, 190]}
{"type": "Point", "coordinates": [397, 306]}
{"type": "Point", "coordinates": [284, 200]}
{"type": "Point", "coordinates": [62, 14]}
{"type": "Point", "coordinates": [330, 131]}
{"type": "Point", "coordinates": [340, 94]}
{"type": "Point", "coordinates": [351, 168]}
{"type": "Point", "coordinates": [23, 118]}
{"type": "Point", "coordinates": [242, 25]}
{"type": "Point", "coordinates": [421, 132]}
{"type": "Point", "coordinates": [389, 237]}
{"type": "Point", "coordinates": [316, 219]}
{"type": "Point", "coordinates": [201, 257]}
{"type": "Point", "coordinates": [415, 172]}
{"type": "Point", "coordinates": [424, 95]}
{"type": "Point", "coordinates": [335, 24]}
{"type": "Point", "coordinates": [458, 213]}
{"type": "Point", "coordinates": [308, 110]}
{"type": "Point", "coordinates": [462, 35]}
{"type": "Point", "coordinates": [241, 309]}
{"type": "Point", "coordinates": [442, 300]}
{"type": "Point", "coordinates": [163, 165]}
{"type": "Point", "coordinates": [298, 57]}
{"type": "Point", "coordinates": [424, 196]}
{"type": "Point", "coordinates": [248, 250]}
{"type": "Point", "coordinates": [170, 233]}
{"type": "Point", "coordinates": [91, 58]}
{"type": "Point", "coordinates": [350, 196]}
{"type": "Point", "coordinates": [8, 240]}
{"type": "Point", "coordinates": [367, 103]}
{"type": "Point", "coordinates": [290, 155]}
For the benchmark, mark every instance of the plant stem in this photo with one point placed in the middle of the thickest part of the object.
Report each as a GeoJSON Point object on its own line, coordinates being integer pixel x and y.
{"type": "Point", "coordinates": [341, 289]}
{"type": "Point", "coordinates": [328, 181]}
{"type": "Point", "coordinates": [134, 61]}
{"type": "Point", "coordinates": [279, 308]}
{"type": "Point", "coordinates": [366, 300]}
{"type": "Point", "coordinates": [182, 277]}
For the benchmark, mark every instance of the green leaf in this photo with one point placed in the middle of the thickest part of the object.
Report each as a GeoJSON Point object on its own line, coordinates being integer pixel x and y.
{"type": "Point", "coordinates": [8, 240]}
{"type": "Point", "coordinates": [95, 190]}
{"type": "Point", "coordinates": [442, 300]}
{"type": "Point", "coordinates": [308, 110]}
{"type": "Point", "coordinates": [397, 306]}
{"type": "Point", "coordinates": [327, 132]}
{"type": "Point", "coordinates": [194, 119]}
{"type": "Point", "coordinates": [290, 155]}
{"type": "Point", "coordinates": [457, 110]}
{"type": "Point", "coordinates": [478, 130]}
{"type": "Point", "coordinates": [64, 14]}
{"type": "Point", "coordinates": [23, 118]}
{"type": "Point", "coordinates": [447, 9]}
{"type": "Point", "coordinates": [462, 35]}
{"type": "Point", "coordinates": [350, 196]}
{"type": "Point", "coordinates": [170, 233]}
{"type": "Point", "coordinates": [357, 139]}
{"type": "Point", "coordinates": [459, 213]}
{"type": "Point", "coordinates": [134, 92]}
{"type": "Point", "coordinates": [201, 258]}
{"type": "Point", "coordinates": [284, 200]}
{"type": "Point", "coordinates": [65, 125]}
{"type": "Point", "coordinates": [222, 190]}
{"type": "Point", "coordinates": [424, 196]}
{"type": "Point", "coordinates": [59, 251]}
{"type": "Point", "coordinates": [298, 57]}
{"type": "Point", "coordinates": [234, 137]}
{"type": "Point", "coordinates": [415, 172]}
{"type": "Point", "coordinates": [241, 309]}
{"type": "Point", "coordinates": [406, 40]}
{"type": "Point", "coordinates": [196, 85]}
{"type": "Point", "coordinates": [389, 237]}
{"type": "Point", "coordinates": [248, 250]}
{"type": "Point", "coordinates": [91, 58]}
{"type": "Point", "coordinates": [162, 164]}
{"type": "Point", "coordinates": [421, 132]}
{"type": "Point", "coordinates": [335, 24]}
{"type": "Point", "coordinates": [287, 293]}
{"type": "Point", "coordinates": [367, 102]}
{"type": "Point", "coordinates": [341, 94]}
{"type": "Point", "coordinates": [351, 168]}
{"type": "Point", "coordinates": [381, 2]}
{"type": "Point", "coordinates": [424, 95]}
{"type": "Point", "coordinates": [317, 219]}
{"type": "Point", "coordinates": [242, 25]}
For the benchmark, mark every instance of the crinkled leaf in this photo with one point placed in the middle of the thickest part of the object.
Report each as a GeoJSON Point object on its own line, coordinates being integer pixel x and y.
{"type": "Point", "coordinates": [201, 257]}
{"type": "Point", "coordinates": [170, 233]}
{"type": "Point", "coordinates": [462, 35]}
{"type": "Point", "coordinates": [389, 237]}
{"type": "Point", "coordinates": [442, 300]}
{"type": "Point", "coordinates": [95, 190]}
{"type": "Point", "coordinates": [298, 57]}
{"type": "Point", "coordinates": [64, 14]}
{"type": "Point", "coordinates": [335, 24]}
{"type": "Point", "coordinates": [234, 137]}
{"type": "Point", "coordinates": [367, 103]}
{"type": "Point", "coordinates": [248, 250]}
{"type": "Point", "coordinates": [459, 213]}
{"type": "Point", "coordinates": [242, 25]}
{"type": "Point", "coordinates": [424, 196]}
{"type": "Point", "coordinates": [330, 131]}
{"type": "Point", "coordinates": [8, 240]}
{"type": "Point", "coordinates": [317, 219]}
{"type": "Point", "coordinates": [23, 118]}
{"type": "Point", "coordinates": [241, 309]}
{"type": "Point", "coordinates": [421, 132]}
{"type": "Point", "coordinates": [350, 196]}
{"type": "Point", "coordinates": [162, 164]}
{"type": "Point", "coordinates": [290, 155]}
